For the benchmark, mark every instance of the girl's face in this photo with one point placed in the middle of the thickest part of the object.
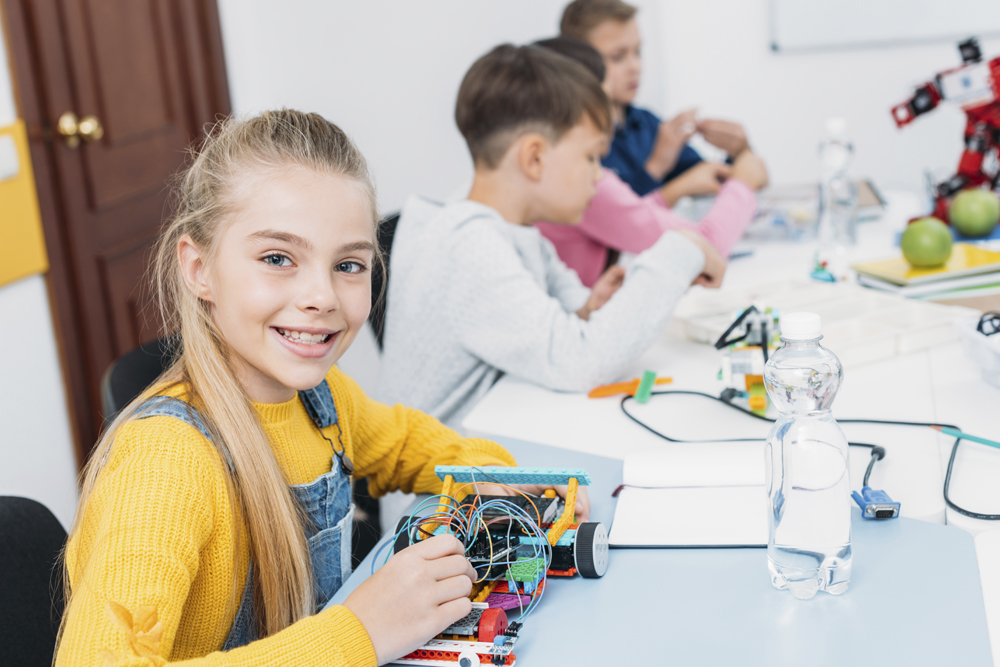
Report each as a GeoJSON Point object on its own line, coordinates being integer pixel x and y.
{"type": "Point", "coordinates": [620, 44]}
{"type": "Point", "coordinates": [290, 285]}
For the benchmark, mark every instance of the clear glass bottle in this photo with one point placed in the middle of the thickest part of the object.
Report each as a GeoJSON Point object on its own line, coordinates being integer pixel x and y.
{"type": "Point", "coordinates": [838, 200]}
{"type": "Point", "coordinates": [808, 483]}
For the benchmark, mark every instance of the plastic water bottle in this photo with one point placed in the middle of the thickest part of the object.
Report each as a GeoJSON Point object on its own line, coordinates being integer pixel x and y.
{"type": "Point", "coordinates": [838, 200]}
{"type": "Point", "coordinates": [808, 484]}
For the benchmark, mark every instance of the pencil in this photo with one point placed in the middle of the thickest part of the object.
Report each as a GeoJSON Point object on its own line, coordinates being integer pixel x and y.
{"type": "Point", "coordinates": [965, 436]}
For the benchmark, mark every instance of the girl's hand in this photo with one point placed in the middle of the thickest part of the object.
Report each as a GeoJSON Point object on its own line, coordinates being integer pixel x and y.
{"type": "Point", "coordinates": [417, 594]}
{"type": "Point", "coordinates": [670, 139]}
{"type": "Point", "coordinates": [582, 508]}
{"type": "Point", "coordinates": [715, 265]}
{"type": "Point", "coordinates": [603, 289]}
{"type": "Point", "coordinates": [724, 134]}
{"type": "Point", "coordinates": [705, 178]}
{"type": "Point", "coordinates": [750, 169]}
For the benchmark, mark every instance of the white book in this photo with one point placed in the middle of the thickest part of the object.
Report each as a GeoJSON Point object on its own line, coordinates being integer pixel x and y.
{"type": "Point", "coordinates": [693, 495]}
{"type": "Point", "coordinates": [926, 289]}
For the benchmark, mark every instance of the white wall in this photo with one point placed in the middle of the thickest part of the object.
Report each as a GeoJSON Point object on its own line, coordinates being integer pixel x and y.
{"type": "Point", "coordinates": [387, 72]}
{"type": "Point", "coordinates": [36, 448]}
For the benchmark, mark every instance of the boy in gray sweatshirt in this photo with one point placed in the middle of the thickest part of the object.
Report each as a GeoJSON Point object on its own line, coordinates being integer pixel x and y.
{"type": "Point", "coordinates": [475, 291]}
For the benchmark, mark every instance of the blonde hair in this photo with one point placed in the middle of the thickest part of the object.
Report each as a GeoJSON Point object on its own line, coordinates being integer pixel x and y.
{"type": "Point", "coordinates": [209, 192]}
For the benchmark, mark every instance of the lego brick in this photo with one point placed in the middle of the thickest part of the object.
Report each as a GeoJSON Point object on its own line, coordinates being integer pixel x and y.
{"type": "Point", "coordinates": [505, 475]}
{"type": "Point", "coordinates": [645, 389]}
{"type": "Point", "coordinates": [526, 570]}
{"type": "Point", "coordinates": [507, 601]}
{"type": "Point", "coordinates": [467, 625]}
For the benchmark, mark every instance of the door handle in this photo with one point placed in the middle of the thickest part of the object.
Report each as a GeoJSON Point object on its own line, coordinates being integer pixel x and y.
{"type": "Point", "coordinates": [73, 129]}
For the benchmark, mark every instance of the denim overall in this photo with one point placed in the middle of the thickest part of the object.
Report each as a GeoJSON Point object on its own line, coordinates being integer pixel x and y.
{"type": "Point", "coordinates": [326, 502]}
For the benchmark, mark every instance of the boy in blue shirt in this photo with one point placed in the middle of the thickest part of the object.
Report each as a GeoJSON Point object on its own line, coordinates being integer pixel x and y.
{"type": "Point", "coordinates": [645, 151]}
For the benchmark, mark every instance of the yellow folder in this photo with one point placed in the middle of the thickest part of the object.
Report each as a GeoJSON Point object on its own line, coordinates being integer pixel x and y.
{"type": "Point", "coordinates": [966, 260]}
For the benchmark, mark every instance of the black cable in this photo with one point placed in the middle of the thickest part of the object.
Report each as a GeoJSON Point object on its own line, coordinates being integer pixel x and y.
{"type": "Point", "coordinates": [878, 453]}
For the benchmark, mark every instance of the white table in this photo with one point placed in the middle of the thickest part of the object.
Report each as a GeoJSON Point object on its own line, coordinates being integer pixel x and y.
{"type": "Point", "coordinates": [938, 384]}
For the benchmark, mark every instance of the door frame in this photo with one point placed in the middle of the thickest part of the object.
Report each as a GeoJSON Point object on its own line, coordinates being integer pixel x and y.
{"type": "Point", "coordinates": [24, 55]}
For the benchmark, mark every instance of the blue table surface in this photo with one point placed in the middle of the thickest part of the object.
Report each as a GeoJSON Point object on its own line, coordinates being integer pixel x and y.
{"type": "Point", "coordinates": [915, 599]}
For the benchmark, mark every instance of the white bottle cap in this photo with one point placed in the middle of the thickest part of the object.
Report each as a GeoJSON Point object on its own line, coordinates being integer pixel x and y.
{"type": "Point", "coordinates": [801, 326]}
{"type": "Point", "coordinates": [836, 128]}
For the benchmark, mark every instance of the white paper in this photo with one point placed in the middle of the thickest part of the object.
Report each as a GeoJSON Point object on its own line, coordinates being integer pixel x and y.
{"type": "Point", "coordinates": [691, 516]}
{"type": "Point", "coordinates": [693, 494]}
{"type": "Point", "coordinates": [696, 464]}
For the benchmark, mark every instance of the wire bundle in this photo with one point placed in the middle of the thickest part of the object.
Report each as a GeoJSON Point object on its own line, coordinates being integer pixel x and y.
{"type": "Point", "coordinates": [467, 521]}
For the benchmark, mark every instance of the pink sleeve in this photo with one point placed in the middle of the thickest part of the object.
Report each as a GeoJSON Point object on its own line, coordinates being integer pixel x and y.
{"type": "Point", "coordinates": [620, 219]}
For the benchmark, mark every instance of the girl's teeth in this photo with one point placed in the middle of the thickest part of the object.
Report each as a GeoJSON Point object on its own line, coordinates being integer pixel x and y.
{"type": "Point", "coordinates": [301, 337]}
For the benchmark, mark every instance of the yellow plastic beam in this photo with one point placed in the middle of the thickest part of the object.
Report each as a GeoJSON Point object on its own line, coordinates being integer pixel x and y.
{"type": "Point", "coordinates": [564, 521]}
{"type": "Point", "coordinates": [444, 506]}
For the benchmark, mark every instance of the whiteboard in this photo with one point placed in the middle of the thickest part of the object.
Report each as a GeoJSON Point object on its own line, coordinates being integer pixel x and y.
{"type": "Point", "coordinates": [825, 24]}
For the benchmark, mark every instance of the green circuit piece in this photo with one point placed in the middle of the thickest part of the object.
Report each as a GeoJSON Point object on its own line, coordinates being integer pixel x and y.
{"type": "Point", "coordinates": [645, 389]}
{"type": "Point", "coordinates": [526, 570]}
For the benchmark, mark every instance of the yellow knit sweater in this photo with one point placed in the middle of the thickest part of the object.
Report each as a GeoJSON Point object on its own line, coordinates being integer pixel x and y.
{"type": "Point", "coordinates": [152, 564]}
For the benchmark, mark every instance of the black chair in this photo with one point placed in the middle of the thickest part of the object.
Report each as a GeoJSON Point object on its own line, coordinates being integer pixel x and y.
{"type": "Point", "coordinates": [31, 585]}
{"type": "Point", "coordinates": [380, 276]}
{"type": "Point", "coordinates": [130, 374]}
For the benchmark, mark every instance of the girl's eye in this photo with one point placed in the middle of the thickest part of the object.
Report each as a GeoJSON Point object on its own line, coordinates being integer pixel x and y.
{"type": "Point", "coordinates": [277, 260]}
{"type": "Point", "coordinates": [351, 267]}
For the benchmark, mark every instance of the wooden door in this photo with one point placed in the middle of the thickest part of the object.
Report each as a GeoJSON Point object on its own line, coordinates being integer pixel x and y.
{"type": "Point", "coordinates": [151, 74]}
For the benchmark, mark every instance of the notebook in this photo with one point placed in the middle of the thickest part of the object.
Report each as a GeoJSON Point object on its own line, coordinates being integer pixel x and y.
{"type": "Point", "coordinates": [966, 260]}
{"type": "Point", "coordinates": [688, 495]}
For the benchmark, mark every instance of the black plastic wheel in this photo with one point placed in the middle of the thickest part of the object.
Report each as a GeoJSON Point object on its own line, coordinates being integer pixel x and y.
{"type": "Point", "coordinates": [403, 536]}
{"type": "Point", "coordinates": [590, 550]}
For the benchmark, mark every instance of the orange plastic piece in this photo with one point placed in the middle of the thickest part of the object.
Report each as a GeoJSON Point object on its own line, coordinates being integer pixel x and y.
{"type": "Point", "coordinates": [629, 387]}
{"type": "Point", "coordinates": [758, 402]}
{"type": "Point", "coordinates": [562, 573]}
{"type": "Point", "coordinates": [752, 380]}
{"type": "Point", "coordinates": [549, 493]}
{"type": "Point", "coordinates": [488, 587]}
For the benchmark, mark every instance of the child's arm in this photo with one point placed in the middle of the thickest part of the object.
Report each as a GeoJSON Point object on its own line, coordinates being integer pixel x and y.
{"type": "Point", "coordinates": [155, 524]}
{"type": "Point", "coordinates": [670, 139]}
{"type": "Point", "coordinates": [500, 314]}
{"type": "Point", "coordinates": [705, 178]}
{"type": "Point", "coordinates": [620, 219]}
{"type": "Point", "coordinates": [398, 447]}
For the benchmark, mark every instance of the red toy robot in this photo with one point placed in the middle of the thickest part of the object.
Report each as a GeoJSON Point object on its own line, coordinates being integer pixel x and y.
{"type": "Point", "coordinates": [975, 86]}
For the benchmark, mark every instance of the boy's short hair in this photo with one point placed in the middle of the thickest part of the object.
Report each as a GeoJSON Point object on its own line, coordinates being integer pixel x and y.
{"type": "Point", "coordinates": [582, 16]}
{"type": "Point", "coordinates": [578, 50]}
{"type": "Point", "coordinates": [516, 89]}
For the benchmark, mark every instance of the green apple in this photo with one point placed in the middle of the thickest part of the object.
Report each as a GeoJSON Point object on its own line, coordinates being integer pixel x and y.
{"type": "Point", "coordinates": [974, 212]}
{"type": "Point", "coordinates": [926, 243]}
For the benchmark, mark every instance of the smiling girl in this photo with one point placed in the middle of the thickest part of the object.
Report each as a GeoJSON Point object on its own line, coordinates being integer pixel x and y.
{"type": "Point", "coordinates": [215, 514]}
